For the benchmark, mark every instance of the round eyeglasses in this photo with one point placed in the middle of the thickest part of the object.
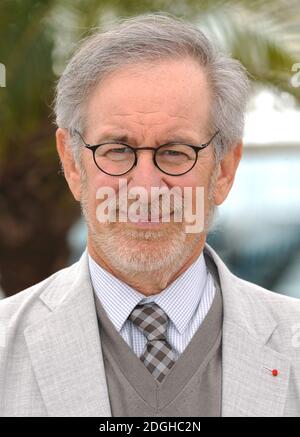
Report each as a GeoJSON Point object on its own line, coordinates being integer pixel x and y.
{"type": "Point", "coordinates": [116, 158]}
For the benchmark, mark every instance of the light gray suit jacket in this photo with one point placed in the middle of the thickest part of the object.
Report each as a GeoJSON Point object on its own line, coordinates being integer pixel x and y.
{"type": "Point", "coordinates": [51, 360]}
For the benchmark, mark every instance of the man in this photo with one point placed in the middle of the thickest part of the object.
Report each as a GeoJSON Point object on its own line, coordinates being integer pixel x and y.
{"type": "Point", "coordinates": [149, 321]}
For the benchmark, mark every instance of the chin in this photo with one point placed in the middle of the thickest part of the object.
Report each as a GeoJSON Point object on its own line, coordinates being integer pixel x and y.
{"type": "Point", "coordinates": [134, 250]}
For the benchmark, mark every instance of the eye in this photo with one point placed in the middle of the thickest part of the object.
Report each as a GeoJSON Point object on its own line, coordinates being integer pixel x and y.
{"type": "Point", "coordinates": [176, 153]}
{"type": "Point", "coordinates": [172, 152]}
{"type": "Point", "coordinates": [114, 152]}
{"type": "Point", "coordinates": [120, 150]}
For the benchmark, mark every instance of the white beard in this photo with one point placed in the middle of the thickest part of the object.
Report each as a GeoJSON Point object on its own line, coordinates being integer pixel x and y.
{"type": "Point", "coordinates": [133, 251]}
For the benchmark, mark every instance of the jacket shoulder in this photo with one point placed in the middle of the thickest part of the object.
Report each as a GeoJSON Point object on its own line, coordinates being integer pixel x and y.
{"type": "Point", "coordinates": [248, 299]}
{"type": "Point", "coordinates": [27, 303]}
{"type": "Point", "coordinates": [280, 305]}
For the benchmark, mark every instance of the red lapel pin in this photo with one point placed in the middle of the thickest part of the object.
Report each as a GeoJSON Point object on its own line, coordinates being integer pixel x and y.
{"type": "Point", "coordinates": [273, 371]}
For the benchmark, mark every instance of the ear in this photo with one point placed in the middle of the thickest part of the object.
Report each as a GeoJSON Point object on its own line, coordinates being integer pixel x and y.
{"type": "Point", "coordinates": [71, 168]}
{"type": "Point", "coordinates": [226, 172]}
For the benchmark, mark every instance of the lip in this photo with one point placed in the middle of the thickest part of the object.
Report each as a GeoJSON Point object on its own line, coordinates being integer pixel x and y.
{"type": "Point", "coordinates": [149, 223]}
{"type": "Point", "coordinates": [160, 217]}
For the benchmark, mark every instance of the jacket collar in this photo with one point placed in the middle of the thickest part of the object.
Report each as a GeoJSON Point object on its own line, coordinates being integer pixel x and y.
{"type": "Point", "coordinates": [248, 385]}
{"type": "Point", "coordinates": [65, 347]}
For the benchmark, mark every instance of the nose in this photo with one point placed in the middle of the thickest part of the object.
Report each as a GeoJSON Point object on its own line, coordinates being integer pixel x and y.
{"type": "Point", "coordinates": [145, 174]}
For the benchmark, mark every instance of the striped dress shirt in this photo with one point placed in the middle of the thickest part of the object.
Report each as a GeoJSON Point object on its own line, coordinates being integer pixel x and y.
{"type": "Point", "coordinates": [186, 301]}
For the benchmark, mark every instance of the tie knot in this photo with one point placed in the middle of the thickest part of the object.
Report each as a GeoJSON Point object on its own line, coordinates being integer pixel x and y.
{"type": "Point", "coordinates": [151, 320]}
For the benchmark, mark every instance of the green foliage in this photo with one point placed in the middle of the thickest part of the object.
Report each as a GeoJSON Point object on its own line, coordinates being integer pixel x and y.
{"type": "Point", "coordinates": [36, 39]}
{"type": "Point", "coordinates": [36, 35]}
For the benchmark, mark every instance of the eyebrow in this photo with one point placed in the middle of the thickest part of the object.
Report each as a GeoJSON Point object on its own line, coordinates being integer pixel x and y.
{"type": "Point", "coordinates": [124, 138]}
{"type": "Point", "coordinates": [108, 137]}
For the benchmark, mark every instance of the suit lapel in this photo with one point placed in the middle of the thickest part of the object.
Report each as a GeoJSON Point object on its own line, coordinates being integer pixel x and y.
{"type": "Point", "coordinates": [248, 386]}
{"type": "Point", "coordinates": [65, 349]}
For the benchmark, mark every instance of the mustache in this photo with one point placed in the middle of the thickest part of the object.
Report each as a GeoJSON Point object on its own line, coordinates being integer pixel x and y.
{"type": "Point", "coordinates": [156, 206]}
{"type": "Point", "coordinates": [160, 204]}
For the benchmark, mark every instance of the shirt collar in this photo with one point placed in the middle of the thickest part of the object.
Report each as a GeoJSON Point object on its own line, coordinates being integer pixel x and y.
{"type": "Point", "coordinates": [179, 300]}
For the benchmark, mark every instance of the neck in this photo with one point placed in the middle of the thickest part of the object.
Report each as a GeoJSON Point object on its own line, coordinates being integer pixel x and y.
{"type": "Point", "coordinates": [147, 283]}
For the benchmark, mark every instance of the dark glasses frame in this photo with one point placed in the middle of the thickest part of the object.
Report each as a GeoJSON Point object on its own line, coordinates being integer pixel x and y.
{"type": "Point", "coordinates": [196, 149]}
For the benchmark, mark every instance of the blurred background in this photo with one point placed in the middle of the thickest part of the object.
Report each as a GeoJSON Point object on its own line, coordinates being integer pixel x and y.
{"type": "Point", "coordinates": [257, 230]}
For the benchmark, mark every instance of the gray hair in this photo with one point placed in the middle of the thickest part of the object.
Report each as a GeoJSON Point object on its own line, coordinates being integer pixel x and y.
{"type": "Point", "coordinates": [143, 39]}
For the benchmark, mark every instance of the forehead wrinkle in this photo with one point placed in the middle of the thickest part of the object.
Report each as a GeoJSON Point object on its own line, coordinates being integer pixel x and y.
{"type": "Point", "coordinates": [118, 124]}
{"type": "Point", "coordinates": [170, 135]}
{"type": "Point", "coordinates": [136, 127]}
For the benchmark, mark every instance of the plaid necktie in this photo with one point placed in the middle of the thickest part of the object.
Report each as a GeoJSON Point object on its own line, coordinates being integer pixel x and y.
{"type": "Point", "coordinates": [157, 356]}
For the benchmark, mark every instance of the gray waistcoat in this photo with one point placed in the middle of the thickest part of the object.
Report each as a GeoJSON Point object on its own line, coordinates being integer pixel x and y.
{"type": "Point", "coordinates": [191, 388]}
